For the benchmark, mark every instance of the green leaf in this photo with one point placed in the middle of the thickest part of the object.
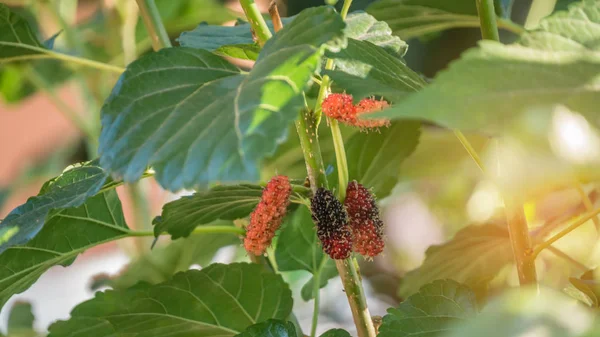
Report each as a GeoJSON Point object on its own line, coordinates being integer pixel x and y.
{"type": "Point", "coordinates": [473, 257]}
{"type": "Point", "coordinates": [364, 27]}
{"type": "Point", "coordinates": [377, 156]}
{"type": "Point", "coordinates": [270, 328]}
{"type": "Point", "coordinates": [431, 311]}
{"type": "Point", "coordinates": [577, 29]}
{"type": "Point", "coordinates": [161, 263]}
{"type": "Point", "coordinates": [20, 320]}
{"type": "Point", "coordinates": [158, 114]}
{"type": "Point", "coordinates": [528, 311]}
{"type": "Point", "coordinates": [364, 69]}
{"type": "Point", "coordinates": [298, 248]}
{"type": "Point", "coordinates": [336, 333]}
{"type": "Point", "coordinates": [180, 217]}
{"type": "Point", "coordinates": [549, 67]}
{"type": "Point", "coordinates": [218, 300]}
{"type": "Point", "coordinates": [233, 41]}
{"type": "Point", "coordinates": [71, 189]}
{"type": "Point", "coordinates": [414, 18]}
{"type": "Point", "coordinates": [16, 37]}
{"type": "Point", "coordinates": [67, 233]}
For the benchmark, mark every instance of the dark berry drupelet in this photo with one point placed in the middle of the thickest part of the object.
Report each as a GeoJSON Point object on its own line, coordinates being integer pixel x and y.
{"type": "Point", "coordinates": [364, 220]}
{"type": "Point", "coordinates": [331, 219]}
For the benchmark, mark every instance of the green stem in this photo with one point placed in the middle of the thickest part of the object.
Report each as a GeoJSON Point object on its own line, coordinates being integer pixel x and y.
{"type": "Point", "coordinates": [317, 294]}
{"type": "Point", "coordinates": [46, 53]}
{"type": "Point", "coordinates": [154, 25]}
{"type": "Point", "coordinates": [470, 149]}
{"type": "Point", "coordinates": [309, 142]}
{"type": "Point", "coordinates": [198, 230]}
{"type": "Point", "coordinates": [564, 232]}
{"type": "Point", "coordinates": [340, 158]}
{"type": "Point", "coordinates": [257, 22]}
{"type": "Point", "coordinates": [520, 241]}
{"type": "Point", "coordinates": [354, 291]}
{"type": "Point", "coordinates": [487, 19]}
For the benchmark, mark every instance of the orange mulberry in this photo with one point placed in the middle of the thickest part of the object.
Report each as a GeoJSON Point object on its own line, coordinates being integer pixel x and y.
{"type": "Point", "coordinates": [341, 108]}
{"type": "Point", "coordinates": [364, 220]}
{"type": "Point", "coordinates": [331, 219]}
{"type": "Point", "coordinates": [268, 215]}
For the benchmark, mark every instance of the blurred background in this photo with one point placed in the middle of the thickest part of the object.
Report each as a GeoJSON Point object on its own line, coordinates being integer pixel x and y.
{"type": "Point", "coordinates": [47, 109]}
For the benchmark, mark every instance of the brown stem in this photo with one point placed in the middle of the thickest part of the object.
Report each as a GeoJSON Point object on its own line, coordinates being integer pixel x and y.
{"type": "Point", "coordinates": [275, 17]}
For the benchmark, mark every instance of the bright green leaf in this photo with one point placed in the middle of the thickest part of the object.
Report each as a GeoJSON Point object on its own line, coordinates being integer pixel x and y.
{"type": "Point", "coordinates": [158, 114]}
{"type": "Point", "coordinates": [298, 248]}
{"type": "Point", "coordinates": [414, 18]}
{"type": "Point", "coordinates": [364, 69]}
{"type": "Point", "coordinates": [336, 333]}
{"type": "Point", "coordinates": [473, 257]}
{"type": "Point", "coordinates": [364, 27]}
{"type": "Point", "coordinates": [180, 217]}
{"type": "Point", "coordinates": [270, 328]}
{"type": "Point", "coordinates": [218, 300]}
{"type": "Point", "coordinates": [528, 311]}
{"type": "Point", "coordinates": [431, 311]}
{"type": "Point", "coordinates": [493, 83]}
{"type": "Point", "coordinates": [66, 233]}
{"type": "Point", "coordinates": [377, 156]}
{"type": "Point", "coordinates": [71, 189]}
{"type": "Point", "coordinates": [17, 39]}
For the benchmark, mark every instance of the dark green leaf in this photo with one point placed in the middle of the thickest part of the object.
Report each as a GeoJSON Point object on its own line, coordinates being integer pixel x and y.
{"type": "Point", "coordinates": [160, 264]}
{"type": "Point", "coordinates": [218, 300]}
{"type": "Point", "coordinates": [158, 114]}
{"type": "Point", "coordinates": [270, 328]}
{"type": "Point", "coordinates": [473, 257]}
{"type": "Point", "coordinates": [71, 189]}
{"type": "Point", "coordinates": [492, 84]}
{"type": "Point", "coordinates": [17, 39]}
{"type": "Point", "coordinates": [233, 41]}
{"type": "Point", "coordinates": [430, 312]}
{"type": "Point", "coordinates": [364, 27]}
{"type": "Point", "coordinates": [180, 217]}
{"type": "Point", "coordinates": [20, 320]}
{"type": "Point", "coordinates": [67, 233]}
{"type": "Point", "coordinates": [298, 248]}
{"type": "Point", "coordinates": [414, 18]}
{"type": "Point", "coordinates": [336, 333]}
{"type": "Point", "coordinates": [528, 311]}
{"type": "Point", "coordinates": [364, 69]}
{"type": "Point", "coordinates": [377, 157]}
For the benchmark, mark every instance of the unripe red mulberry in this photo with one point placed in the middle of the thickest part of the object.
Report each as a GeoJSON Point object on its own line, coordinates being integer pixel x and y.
{"type": "Point", "coordinates": [266, 218]}
{"type": "Point", "coordinates": [331, 219]}
{"type": "Point", "coordinates": [341, 108]}
{"type": "Point", "coordinates": [364, 219]}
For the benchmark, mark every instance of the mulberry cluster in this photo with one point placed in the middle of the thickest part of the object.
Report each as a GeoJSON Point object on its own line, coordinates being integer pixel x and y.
{"type": "Point", "coordinates": [341, 108]}
{"type": "Point", "coordinates": [355, 226]}
{"type": "Point", "coordinates": [331, 219]}
{"type": "Point", "coordinates": [365, 221]}
{"type": "Point", "coordinates": [266, 218]}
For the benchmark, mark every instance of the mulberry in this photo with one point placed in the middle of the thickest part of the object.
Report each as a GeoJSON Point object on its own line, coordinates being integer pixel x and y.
{"type": "Point", "coordinates": [331, 219]}
{"type": "Point", "coordinates": [341, 108]}
{"type": "Point", "coordinates": [266, 218]}
{"type": "Point", "coordinates": [364, 219]}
